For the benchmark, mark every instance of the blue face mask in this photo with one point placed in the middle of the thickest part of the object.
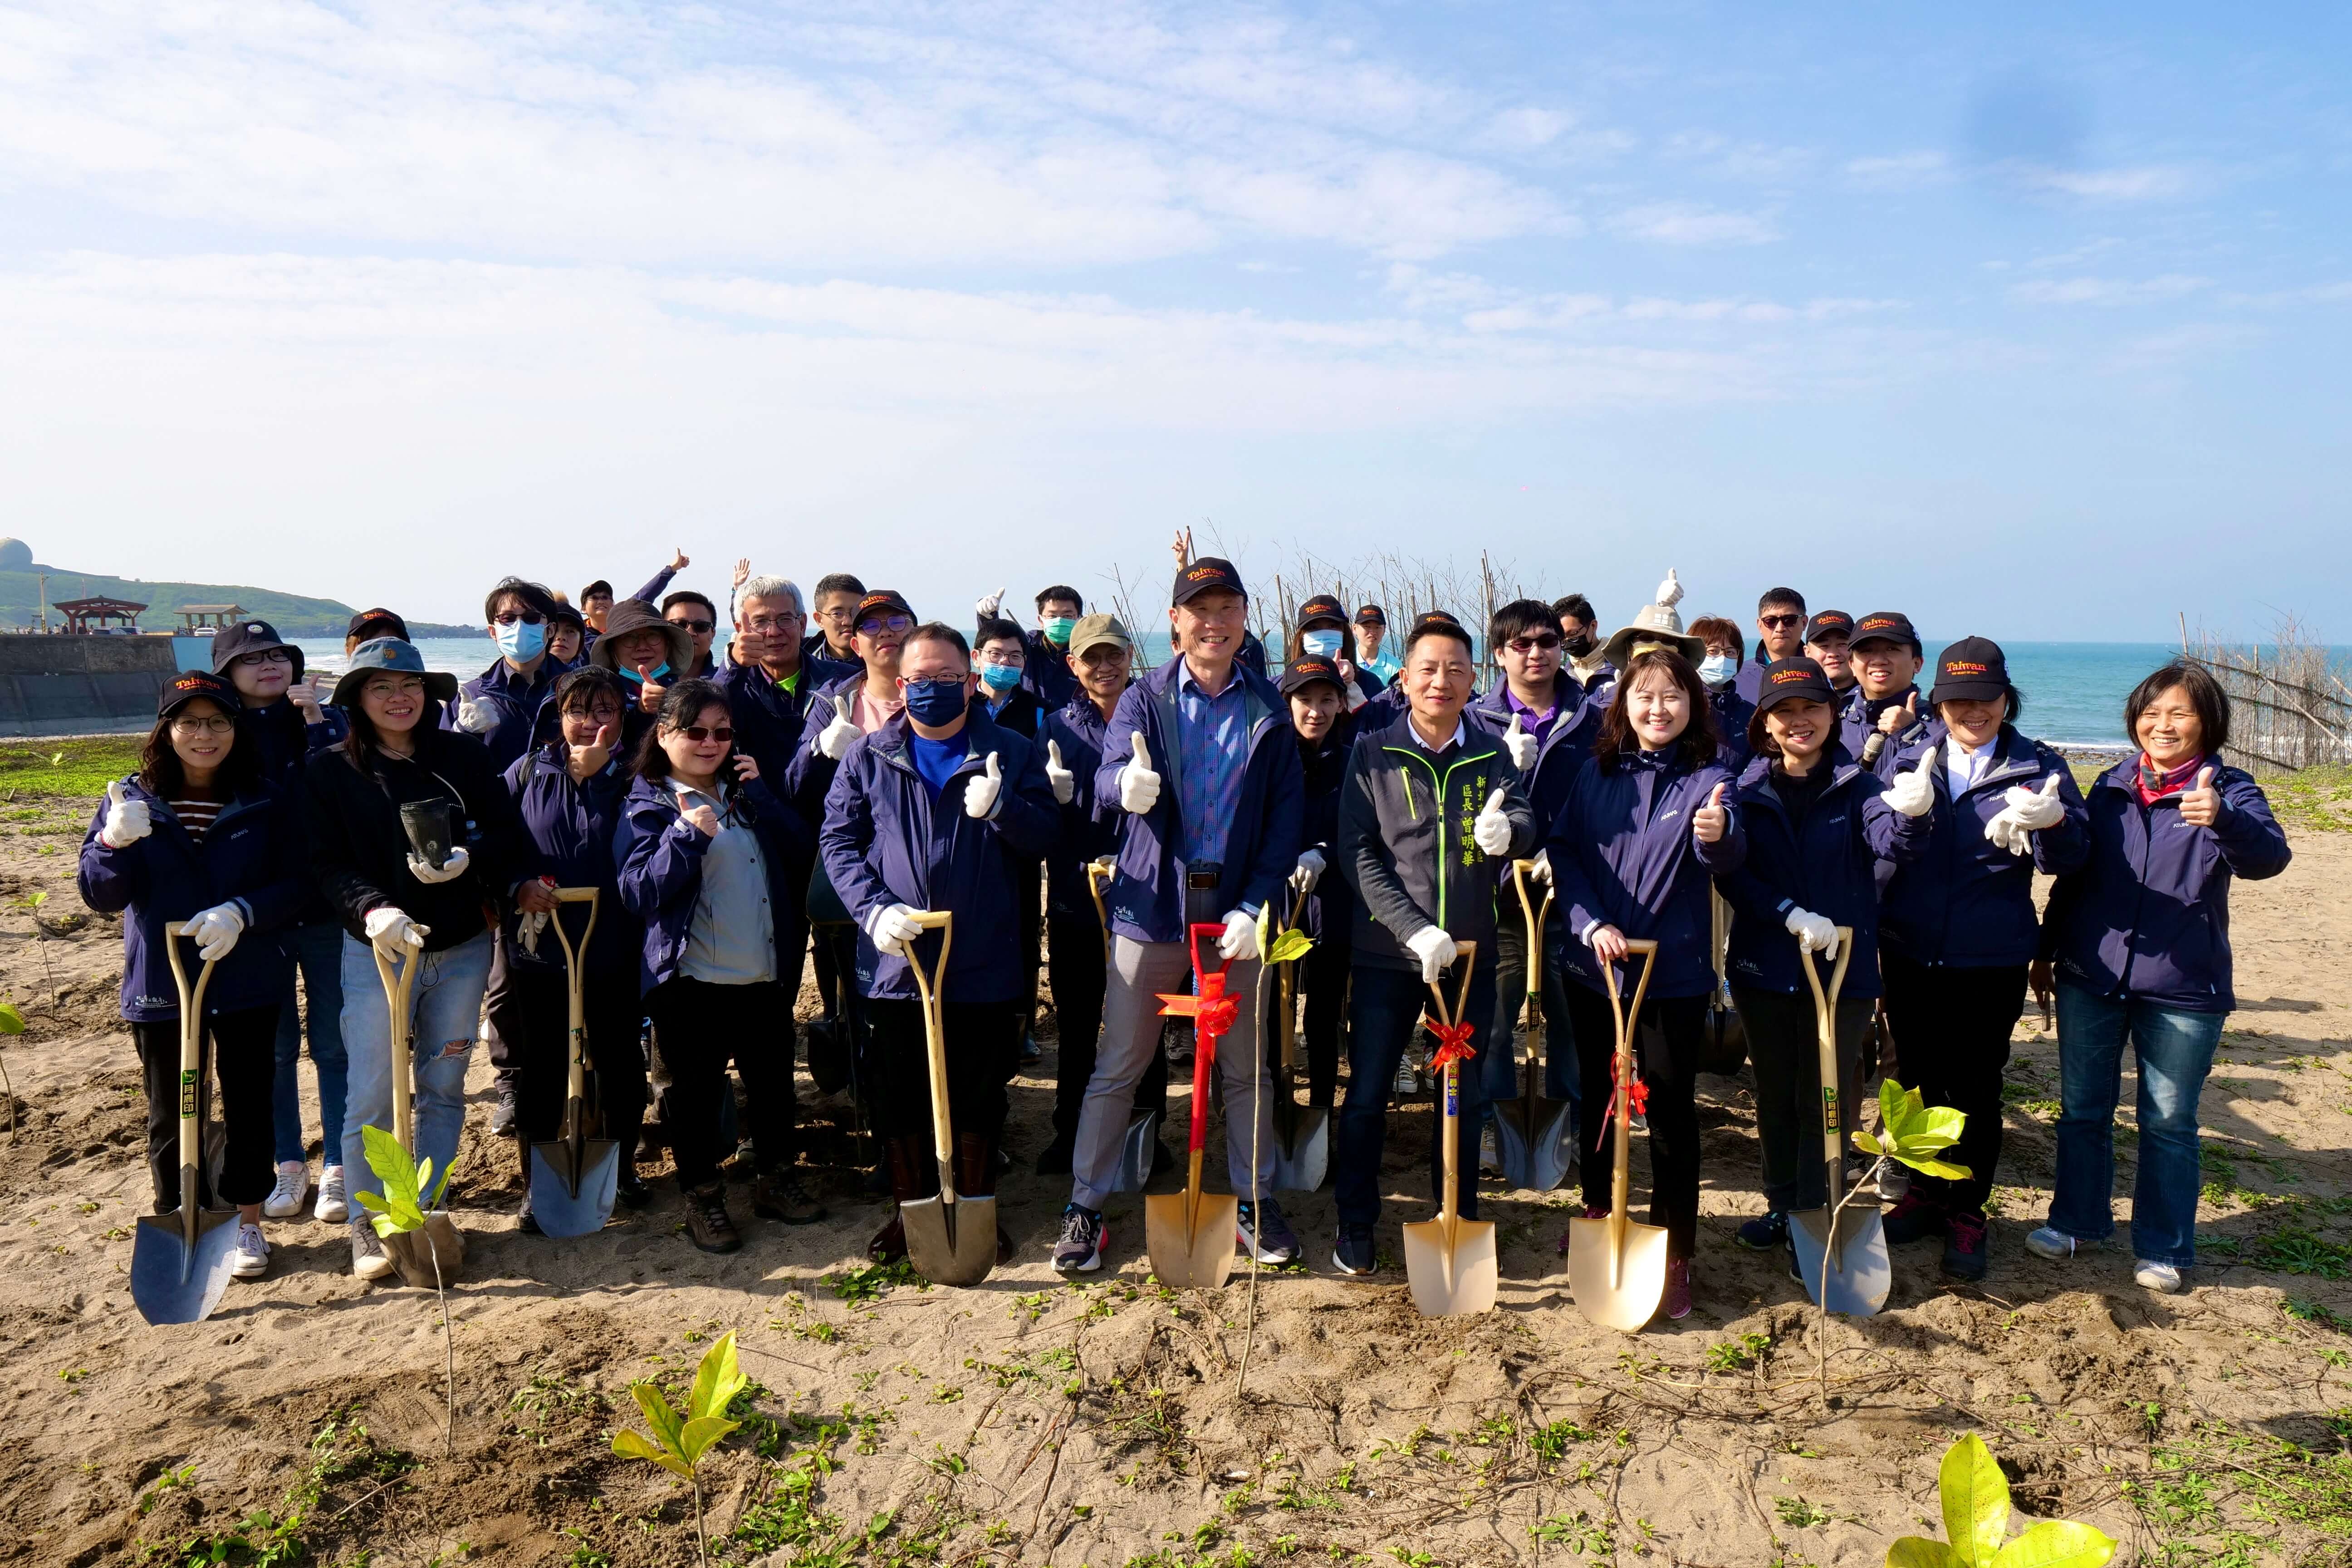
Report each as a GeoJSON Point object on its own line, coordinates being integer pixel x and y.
{"type": "Point", "coordinates": [1718, 668]}
{"type": "Point", "coordinates": [1000, 679]}
{"type": "Point", "coordinates": [935, 702]}
{"type": "Point", "coordinates": [1321, 644]}
{"type": "Point", "coordinates": [625, 673]}
{"type": "Point", "coordinates": [521, 641]}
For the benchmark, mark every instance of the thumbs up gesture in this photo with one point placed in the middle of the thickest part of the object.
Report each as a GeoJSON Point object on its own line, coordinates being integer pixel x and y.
{"type": "Point", "coordinates": [126, 819]}
{"type": "Point", "coordinates": [1895, 721]}
{"type": "Point", "coordinates": [1519, 744]}
{"type": "Point", "coordinates": [832, 740]}
{"type": "Point", "coordinates": [2200, 803]}
{"type": "Point", "coordinates": [1708, 821]}
{"type": "Point", "coordinates": [989, 604]}
{"type": "Point", "coordinates": [1065, 782]}
{"type": "Point", "coordinates": [1492, 829]}
{"type": "Point", "coordinates": [1670, 592]}
{"type": "Point", "coordinates": [1139, 787]}
{"type": "Point", "coordinates": [980, 795]}
{"type": "Point", "coordinates": [2034, 810]}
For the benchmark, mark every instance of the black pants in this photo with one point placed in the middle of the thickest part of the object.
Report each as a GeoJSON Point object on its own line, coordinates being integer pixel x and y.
{"type": "Point", "coordinates": [243, 1045]}
{"type": "Point", "coordinates": [497, 1006]}
{"type": "Point", "coordinates": [981, 1039]}
{"type": "Point", "coordinates": [1667, 1040]}
{"type": "Point", "coordinates": [703, 1027]}
{"type": "Point", "coordinates": [1029, 897]}
{"type": "Point", "coordinates": [1323, 976]}
{"type": "Point", "coordinates": [1388, 1004]}
{"type": "Point", "coordinates": [1560, 1079]}
{"type": "Point", "coordinates": [539, 1048]}
{"type": "Point", "coordinates": [1076, 942]}
{"type": "Point", "coordinates": [1784, 1047]}
{"type": "Point", "coordinates": [1954, 1025]}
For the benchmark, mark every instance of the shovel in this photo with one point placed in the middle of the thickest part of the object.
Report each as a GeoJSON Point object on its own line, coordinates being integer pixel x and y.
{"type": "Point", "coordinates": [1533, 1136]}
{"type": "Point", "coordinates": [573, 1179]}
{"type": "Point", "coordinates": [1723, 1050]}
{"type": "Point", "coordinates": [1142, 1135]}
{"type": "Point", "coordinates": [1302, 1133]}
{"type": "Point", "coordinates": [950, 1240]}
{"type": "Point", "coordinates": [1450, 1261]}
{"type": "Point", "coordinates": [1846, 1270]}
{"type": "Point", "coordinates": [1618, 1268]}
{"type": "Point", "coordinates": [415, 1252]}
{"type": "Point", "coordinates": [1190, 1234]}
{"type": "Point", "coordinates": [179, 1261]}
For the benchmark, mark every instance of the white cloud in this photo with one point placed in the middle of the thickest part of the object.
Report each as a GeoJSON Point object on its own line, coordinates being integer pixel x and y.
{"type": "Point", "coordinates": [1898, 172]}
{"type": "Point", "coordinates": [2149, 183]}
{"type": "Point", "coordinates": [1690, 223]}
{"type": "Point", "coordinates": [2106, 290]}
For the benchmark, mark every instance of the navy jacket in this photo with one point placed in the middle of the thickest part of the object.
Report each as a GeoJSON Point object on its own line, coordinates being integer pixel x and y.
{"type": "Point", "coordinates": [1561, 752]}
{"type": "Point", "coordinates": [808, 776]}
{"type": "Point", "coordinates": [252, 854]}
{"type": "Point", "coordinates": [2147, 914]}
{"type": "Point", "coordinates": [1732, 712]}
{"type": "Point", "coordinates": [886, 841]}
{"type": "Point", "coordinates": [1966, 903]}
{"type": "Point", "coordinates": [815, 651]}
{"type": "Point", "coordinates": [286, 742]}
{"type": "Point", "coordinates": [1623, 853]}
{"type": "Point", "coordinates": [1826, 865]}
{"type": "Point", "coordinates": [514, 703]}
{"type": "Point", "coordinates": [1146, 900]}
{"type": "Point", "coordinates": [574, 828]}
{"type": "Point", "coordinates": [1085, 829]}
{"type": "Point", "coordinates": [1045, 672]}
{"type": "Point", "coordinates": [1327, 915]}
{"type": "Point", "coordinates": [660, 858]}
{"type": "Point", "coordinates": [771, 724]}
{"type": "Point", "coordinates": [1858, 720]}
{"type": "Point", "coordinates": [1023, 713]}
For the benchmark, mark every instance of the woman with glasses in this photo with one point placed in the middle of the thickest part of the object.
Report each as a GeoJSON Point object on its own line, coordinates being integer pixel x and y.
{"type": "Point", "coordinates": [567, 636]}
{"type": "Point", "coordinates": [649, 655]}
{"type": "Point", "coordinates": [197, 845]}
{"type": "Point", "coordinates": [501, 705]}
{"type": "Point", "coordinates": [1323, 631]}
{"type": "Point", "coordinates": [1719, 673]}
{"type": "Point", "coordinates": [708, 858]}
{"type": "Point", "coordinates": [397, 767]}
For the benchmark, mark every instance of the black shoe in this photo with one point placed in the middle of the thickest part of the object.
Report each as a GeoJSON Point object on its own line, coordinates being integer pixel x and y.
{"type": "Point", "coordinates": [529, 1220]}
{"type": "Point", "coordinates": [1354, 1253]}
{"type": "Point", "coordinates": [1162, 1162]}
{"type": "Point", "coordinates": [1796, 1269]}
{"type": "Point", "coordinates": [630, 1188]}
{"type": "Point", "coordinates": [1054, 1160]}
{"type": "Point", "coordinates": [1912, 1218]}
{"type": "Point", "coordinates": [1965, 1247]}
{"type": "Point", "coordinates": [502, 1113]}
{"type": "Point", "coordinates": [707, 1225]}
{"type": "Point", "coordinates": [779, 1194]}
{"type": "Point", "coordinates": [1765, 1231]}
{"type": "Point", "coordinates": [652, 1142]}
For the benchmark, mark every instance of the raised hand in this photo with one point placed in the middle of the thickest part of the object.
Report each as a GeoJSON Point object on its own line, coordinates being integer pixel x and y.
{"type": "Point", "coordinates": [1065, 782]}
{"type": "Point", "coordinates": [678, 561]}
{"type": "Point", "coordinates": [1139, 787]}
{"type": "Point", "coordinates": [743, 571]}
{"type": "Point", "coordinates": [1492, 828]}
{"type": "Point", "coordinates": [1912, 794]}
{"type": "Point", "coordinates": [2034, 810]}
{"type": "Point", "coordinates": [702, 819]}
{"type": "Point", "coordinates": [127, 820]}
{"type": "Point", "coordinates": [980, 795]}
{"type": "Point", "coordinates": [2200, 805]}
{"type": "Point", "coordinates": [1895, 721]}
{"type": "Point", "coordinates": [1709, 821]}
{"type": "Point", "coordinates": [586, 761]}
{"type": "Point", "coordinates": [832, 740]}
{"type": "Point", "coordinates": [1521, 745]}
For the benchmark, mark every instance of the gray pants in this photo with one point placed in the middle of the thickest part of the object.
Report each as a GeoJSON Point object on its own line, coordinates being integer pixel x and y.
{"type": "Point", "coordinates": [1140, 971]}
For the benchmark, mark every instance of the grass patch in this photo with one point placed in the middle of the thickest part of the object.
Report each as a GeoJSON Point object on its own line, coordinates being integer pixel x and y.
{"type": "Point", "coordinates": [54, 768]}
{"type": "Point", "coordinates": [2316, 800]}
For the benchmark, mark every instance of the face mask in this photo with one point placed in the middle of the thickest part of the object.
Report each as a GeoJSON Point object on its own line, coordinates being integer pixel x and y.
{"type": "Point", "coordinates": [1321, 644]}
{"type": "Point", "coordinates": [1718, 668]}
{"type": "Point", "coordinates": [1000, 679]}
{"type": "Point", "coordinates": [1058, 629]}
{"type": "Point", "coordinates": [1578, 645]}
{"type": "Point", "coordinates": [625, 673]}
{"type": "Point", "coordinates": [935, 701]}
{"type": "Point", "coordinates": [521, 641]}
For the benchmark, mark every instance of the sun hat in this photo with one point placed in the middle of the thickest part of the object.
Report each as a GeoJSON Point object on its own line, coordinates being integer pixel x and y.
{"type": "Point", "coordinates": [399, 656]}
{"type": "Point", "coordinates": [233, 643]}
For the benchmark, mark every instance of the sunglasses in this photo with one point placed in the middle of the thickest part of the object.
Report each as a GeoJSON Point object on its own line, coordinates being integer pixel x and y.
{"type": "Point", "coordinates": [1775, 622]}
{"type": "Point", "coordinates": [1532, 645]}
{"type": "Point", "coordinates": [528, 617]}
{"type": "Point", "coordinates": [698, 733]}
{"type": "Point", "coordinates": [695, 626]}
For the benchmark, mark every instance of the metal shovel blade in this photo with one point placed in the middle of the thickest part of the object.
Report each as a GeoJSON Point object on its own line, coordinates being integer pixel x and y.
{"type": "Point", "coordinates": [1856, 1274]}
{"type": "Point", "coordinates": [1135, 1152]}
{"type": "Point", "coordinates": [573, 1186]}
{"type": "Point", "coordinates": [415, 1252]}
{"type": "Point", "coordinates": [951, 1240]}
{"type": "Point", "coordinates": [1551, 1152]}
{"type": "Point", "coordinates": [175, 1278]}
{"type": "Point", "coordinates": [828, 1054]}
{"type": "Point", "coordinates": [1451, 1274]}
{"type": "Point", "coordinates": [1190, 1237]}
{"type": "Point", "coordinates": [1302, 1146]}
{"type": "Point", "coordinates": [1623, 1294]}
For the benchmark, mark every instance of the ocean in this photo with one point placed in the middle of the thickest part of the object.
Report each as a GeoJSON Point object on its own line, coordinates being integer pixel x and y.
{"type": "Point", "coordinates": [2074, 692]}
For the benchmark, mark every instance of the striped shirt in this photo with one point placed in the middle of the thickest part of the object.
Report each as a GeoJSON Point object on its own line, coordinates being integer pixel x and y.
{"type": "Point", "coordinates": [196, 815]}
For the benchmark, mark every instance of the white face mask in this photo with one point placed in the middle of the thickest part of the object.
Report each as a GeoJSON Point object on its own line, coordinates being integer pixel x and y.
{"type": "Point", "coordinates": [1718, 668]}
{"type": "Point", "coordinates": [1321, 644]}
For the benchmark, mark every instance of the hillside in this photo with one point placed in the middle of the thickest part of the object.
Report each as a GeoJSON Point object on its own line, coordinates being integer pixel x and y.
{"type": "Point", "coordinates": [292, 614]}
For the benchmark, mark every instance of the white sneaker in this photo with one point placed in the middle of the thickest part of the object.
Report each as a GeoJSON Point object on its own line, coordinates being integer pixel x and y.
{"type": "Point", "coordinates": [2047, 1242]}
{"type": "Point", "coordinates": [369, 1259]}
{"type": "Point", "coordinates": [2161, 1278]}
{"type": "Point", "coordinates": [1408, 1082]}
{"type": "Point", "coordinates": [1490, 1153]}
{"type": "Point", "coordinates": [333, 1207]}
{"type": "Point", "coordinates": [285, 1199]}
{"type": "Point", "coordinates": [252, 1257]}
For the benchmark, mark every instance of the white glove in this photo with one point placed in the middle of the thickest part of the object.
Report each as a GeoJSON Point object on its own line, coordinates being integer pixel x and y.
{"type": "Point", "coordinates": [892, 928]}
{"type": "Point", "coordinates": [1912, 794]}
{"type": "Point", "coordinates": [1139, 787]}
{"type": "Point", "coordinates": [527, 927]}
{"type": "Point", "coordinates": [474, 718]}
{"type": "Point", "coordinates": [390, 930]}
{"type": "Point", "coordinates": [126, 820]}
{"type": "Point", "coordinates": [1670, 592]}
{"type": "Point", "coordinates": [1434, 949]}
{"type": "Point", "coordinates": [1492, 829]}
{"type": "Point", "coordinates": [453, 868]}
{"type": "Point", "coordinates": [989, 605]}
{"type": "Point", "coordinates": [1104, 865]}
{"type": "Point", "coordinates": [1521, 745]}
{"type": "Point", "coordinates": [216, 931]}
{"type": "Point", "coordinates": [2036, 810]}
{"type": "Point", "coordinates": [1814, 933]}
{"type": "Point", "coordinates": [833, 740]}
{"type": "Point", "coordinates": [1540, 867]}
{"type": "Point", "coordinates": [980, 795]}
{"type": "Point", "coordinates": [1240, 941]}
{"type": "Point", "coordinates": [1309, 872]}
{"type": "Point", "coordinates": [1065, 782]}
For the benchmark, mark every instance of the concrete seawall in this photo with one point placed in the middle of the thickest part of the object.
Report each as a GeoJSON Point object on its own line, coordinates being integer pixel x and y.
{"type": "Point", "coordinates": [86, 685]}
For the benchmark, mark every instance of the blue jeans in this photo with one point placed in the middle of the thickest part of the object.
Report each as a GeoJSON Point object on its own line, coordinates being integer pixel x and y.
{"type": "Point", "coordinates": [444, 1010]}
{"type": "Point", "coordinates": [2174, 1051]}
{"type": "Point", "coordinates": [1384, 1006]}
{"type": "Point", "coordinates": [318, 952]}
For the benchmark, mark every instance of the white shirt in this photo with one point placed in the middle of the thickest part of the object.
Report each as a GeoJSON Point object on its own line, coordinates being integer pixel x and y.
{"type": "Point", "coordinates": [1964, 767]}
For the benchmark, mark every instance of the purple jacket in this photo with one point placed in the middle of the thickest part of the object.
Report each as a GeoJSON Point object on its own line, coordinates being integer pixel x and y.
{"type": "Point", "coordinates": [2148, 915]}
{"type": "Point", "coordinates": [574, 828]}
{"type": "Point", "coordinates": [1826, 865]}
{"type": "Point", "coordinates": [252, 854]}
{"type": "Point", "coordinates": [886, 841]}
{"type": "Point", "coordinates": [1966, 903]}
{"type": "Point", "coordinates": [514, 703]}
{"type": "Point", "coordinates": [1623, 853]}
{"type": "Point", "coordinates": [1146, 900]}
{"type": "Point", "coordinates": [660, 858]}
{"type": "Point", "coordinates": [1565, 745]}
{"type": "Point", "coordinates": [770, 721]}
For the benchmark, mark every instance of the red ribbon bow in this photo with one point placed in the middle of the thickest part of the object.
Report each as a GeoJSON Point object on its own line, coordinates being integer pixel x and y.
{"type": "Point", "coordinates": [1212, 1012]}
{"type": "Point", "coordinates": [1629, 1090]}
{"type": "Point", "coordinates": [1453, 1044]}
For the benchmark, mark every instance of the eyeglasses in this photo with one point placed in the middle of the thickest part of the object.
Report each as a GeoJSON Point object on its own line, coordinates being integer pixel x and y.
{"type": "Point", "coordinates": [698, 734]}
{"type": "Point", "coordinates": [695, 626]}
{"type": "Point", "coordinates": [874, 626]}
{"type": "Point", "coordinates": [765, 623]}
{"type": "Point", "coordinates": [1532, 645]}
{"type": "Point", "coordinates": [509, 617]}
{"type": "Point", "coordinates": [216, 725]}
{"type": "Point", "coordinates": [267, 656]}
{"type": "Point", "coordinates": [1001, 660]}
{"type": "Point", "coordinates": [1777, 622]}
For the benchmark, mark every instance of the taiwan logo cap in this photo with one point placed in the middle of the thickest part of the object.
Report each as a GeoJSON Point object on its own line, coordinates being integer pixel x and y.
{"type": "Point", "coordinates": [1798, 679]}
{"type": "Point", "coordinates": [376, 623]}
{"type": "Point", "coordinates": [1886, 626]}
{"type": "Point", "coordinates": [1308, 669]}
{"type": "Point", "coordinates": [1972, 670]}
{"type": "Point", "coordinates": [1209, 574]}
{"type": "Point", "coordinates": [190, 684]}
{"type": "Point", "coordinates": [1833, 623]}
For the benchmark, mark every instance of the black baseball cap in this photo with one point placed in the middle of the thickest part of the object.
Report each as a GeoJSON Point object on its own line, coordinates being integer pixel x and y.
{"type": "Point", "coordinates": [233, 642]}
{"type": "Point", "coordinates": [881, 599]}
{"type": "Point", "coordinates": [1322, 607]}
{"type": "Point", "coordinates": [1793, 680]}
{"type": "Point", "coordinates": [1307, 668]}
{"type": "Point", "coordinates": [190, 684]}
{"type": "Point", "coordinates": [1972, 670]}
{"type": "Point", "coordinates": [1836, 621]}
{"type": "Point", "coordinates": [1209, 574]}
{"type": "Point", "coordinates": [1371, 616]}
{"type": "Point", "coordinates": [378, 623]}
{"type": "Point", "coordinates": [1885, 626]}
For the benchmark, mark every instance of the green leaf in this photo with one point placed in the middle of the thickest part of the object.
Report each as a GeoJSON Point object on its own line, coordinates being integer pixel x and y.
{"type": "Point", "coordinates": [1918, 1552]}
{"type": "Point", "coordinates": [632, 1444]}
{"type": "Point", "coordinates": [1976, 1501]}
{"type": "Point", "coordinates": [1896, 1103]}
{"type": "Point", "coordinates": [2057, 1543]}
{"type": "Point", "coordinates": [1943, 1168]}
{"type": "Point", "coordinates": [424, 1175]}
{"type": "Point", "coordinates": [716, 1381]}
{"type": "Point", "coordinates": [12, 1022]}
{"type": "Point", "coordinates": [369, 1200]}
{"type": "Point", "coordinates": [1869, 1146]}
{"type": "Point", "coordinates": [700, 1433]}
{"type": "Point", "coordinates": [666, 1423]}
{"type": "Point", "coordinates": [1291, 944]}
{"type": "Point", "coordinates": [391, 1166]}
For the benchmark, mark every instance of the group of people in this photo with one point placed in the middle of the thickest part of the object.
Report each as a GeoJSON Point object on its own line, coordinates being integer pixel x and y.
{"type": "Point", "coordinates": [838, 770]}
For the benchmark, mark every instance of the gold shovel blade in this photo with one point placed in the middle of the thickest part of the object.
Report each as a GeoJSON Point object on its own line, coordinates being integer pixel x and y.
{"type": "Point", "coordinates": [951, 1243]}
{"type": "Point", "coordinates": [1451, 1275]}
{"type": "Point", "coordinates": [1190, 1243]}
{"type": "Point", "coordinates": [1624, 1298]}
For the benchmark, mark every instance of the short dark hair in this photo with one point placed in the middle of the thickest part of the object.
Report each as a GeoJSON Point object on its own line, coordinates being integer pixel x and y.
{"type": "Point", "coordinates": [680, 705]}
{"type": "Point", "coordinates": [1575, 604]}
{"type": "Point", "coordinates": [2205, 695]}
{"type": "Point", "coordinates": [997, 628]}
{"type": "Point", "coordinates": [689, 597]}
{"type": "Point", "coordinates": [534, 596]}
{"type": "Point", "coordinates": [595, 588]}
{"type": "Point", "coordinates": [1787, 598]}
{"type": "Point", "coordinates": [837, 583]}
{"type": "Point", "coordinates": [939, 631]}
{"type": "Point", "coordinates": [1062, 591]}
{"type": "Point", "coordinates": [1429, 626]}
{"type": "Point", "coordinates": [1697, 744]}
{"type": "Point", "coordinates": [584, 683]}
{"type": "Point", "coordinates": [160, 770]}
{"type": "Point", "coordinates": [1519, 617]}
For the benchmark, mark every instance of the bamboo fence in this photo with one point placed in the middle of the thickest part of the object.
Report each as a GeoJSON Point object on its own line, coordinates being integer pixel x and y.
{"type": "Point", "coordinates": [2291, 706]}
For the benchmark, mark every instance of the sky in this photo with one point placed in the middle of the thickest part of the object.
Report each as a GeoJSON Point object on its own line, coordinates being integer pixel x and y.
{"type": "Point", "coordinates": [2028, 320]}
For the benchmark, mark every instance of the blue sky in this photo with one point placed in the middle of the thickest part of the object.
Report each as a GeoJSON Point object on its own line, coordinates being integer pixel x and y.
{"type": "Point", "coordinates": [2026, 320]}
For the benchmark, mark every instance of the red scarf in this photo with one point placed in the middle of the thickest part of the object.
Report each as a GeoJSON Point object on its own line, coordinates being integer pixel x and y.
{"type": "Point", "coordinates": [2154, 782]}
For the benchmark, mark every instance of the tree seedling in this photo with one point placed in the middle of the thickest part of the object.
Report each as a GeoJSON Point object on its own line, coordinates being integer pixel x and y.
{"type": "Point", "coordinates": [1974, 1496]}
{"type": "Point", "coordinates": [409, 1191]}
{"type": "Point", "coordinates": [12, 1022]}
{"type": "Point", "coordinates": [1910, 1133]}
{"type": "Point", "coordinates": [680, 1439]}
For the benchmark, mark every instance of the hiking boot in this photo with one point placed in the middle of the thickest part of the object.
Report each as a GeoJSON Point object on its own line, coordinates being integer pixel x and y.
{"type": "Point", "coordinates": [1765, 1231]}
{"type": "Point", "coordinates": [1964, 1247]}
{"type": "Point", "coordinates": [1264, 1234]}
{"type": "Point", "coordinates": [502, 1110]}
{"type": "Point", "coordinates": [369, 1259]}
{"type": "Point", "coordinates": [1083, 1241]}
{"type": "Point", "coordinates": [251, 1259]}
{"type": "Point", "coordinates": [1678, 1285]}
{"type": "Point", "coordinates": [1031, 1051]}
{"type": "Point", "coordinates": [889, 1244]}
{"type": "Point", "coordinates": [2048, 1241]}
{"type": "Point", "coordinates": [779, 1194]}
{"type": "Point", "coordinates": [1353, 1254]}
{"type": "Point", "coordinates": [333, 1206]}
{"type": "Point", "coordinates": [1912, 1218]}
{"type": "Point", "coordinates": [630, 1188]}
{"type": "Point", "coordinates": [285, 1199]}
{"type": "Point", "coordinates": [2161, 1278]}
{"type": "Point", "coordinates": [1054, 1160]}
{"type": "Point", "coordinates": [707, 1225]}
